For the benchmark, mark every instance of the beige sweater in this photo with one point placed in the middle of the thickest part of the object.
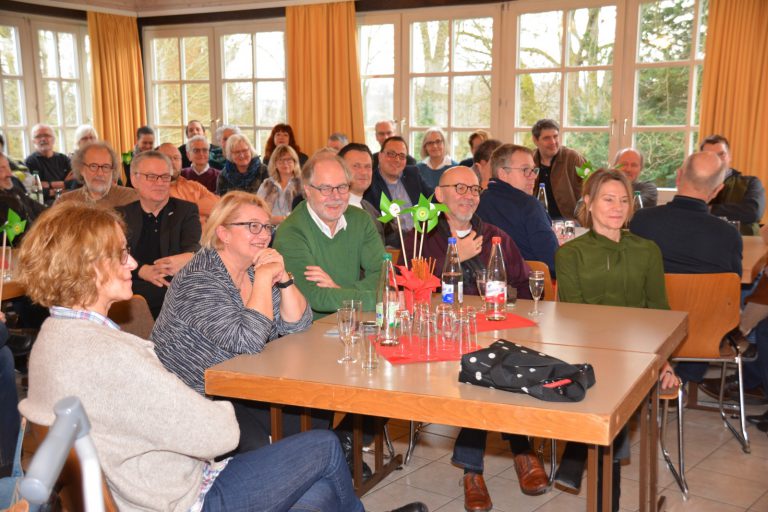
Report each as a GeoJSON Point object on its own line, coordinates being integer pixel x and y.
{"type": "Point", "coordinates": [151, 431]}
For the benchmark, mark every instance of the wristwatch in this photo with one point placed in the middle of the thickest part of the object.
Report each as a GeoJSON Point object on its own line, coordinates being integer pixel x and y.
{"type": "Point", "coordinates": [287, 283]}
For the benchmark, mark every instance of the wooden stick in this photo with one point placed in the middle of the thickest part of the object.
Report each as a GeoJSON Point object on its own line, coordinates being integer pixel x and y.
{"type": "Point", "coordinates": [415, 237]}
{"type": "Point", "coordinates": [402, 243]}
{"type": "Point", "coordinates": [2, 264]}
{"type": "Point", "coordinates": [423, 234]}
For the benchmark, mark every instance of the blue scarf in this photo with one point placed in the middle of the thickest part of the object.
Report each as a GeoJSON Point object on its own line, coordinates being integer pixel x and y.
{"type": "Point", "coordinates": [242, 181]}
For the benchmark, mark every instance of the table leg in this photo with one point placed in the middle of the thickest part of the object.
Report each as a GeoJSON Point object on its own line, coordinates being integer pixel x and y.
{"type": "Point", "coordinates": [276, 417]}
{"type": "Point", "coordinates": [654, 433]}
{"type": "Point", "coordinates": [607, 491]}
{"type": "Point", "coordinates": [649, 440]}
{"type": "Point", "coordinates": [357, 449]}
{"type": "Point", "coordinates": [378, 445]}
{"type": "Point", "coordinates": [645, 454]}
{"type": "Point", "coordinates": [592, 453]}
{"type": "Point", "coordinates": [306, 419]}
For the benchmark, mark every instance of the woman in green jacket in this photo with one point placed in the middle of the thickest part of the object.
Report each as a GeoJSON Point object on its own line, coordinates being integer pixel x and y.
{"type": "Point", "coordinates": [609, 266]}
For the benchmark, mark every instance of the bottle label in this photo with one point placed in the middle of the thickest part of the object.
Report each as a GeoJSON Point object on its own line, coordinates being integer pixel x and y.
{"type": "Point", "coordinates": [447, 292]}
{"type": "Point", "coordinates": [460, 292]}
{"type": "Point", "coordinates": [496, 292]}
{"type": "Point", "coordinates": [393, 307]}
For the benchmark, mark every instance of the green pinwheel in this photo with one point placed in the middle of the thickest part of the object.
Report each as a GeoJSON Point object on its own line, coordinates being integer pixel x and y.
{"type": "Point", "coordinates": [425, 213]}
{"type": "Point", "coordinates": [585, 170]}
{"type": "Point", "coordinates": [14, 226]}
{"type": "Point", "coordinates": [390, 209]}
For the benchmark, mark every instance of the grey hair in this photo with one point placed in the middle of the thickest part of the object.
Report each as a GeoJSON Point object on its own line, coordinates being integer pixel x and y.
{"type": "Point", "coordinates": [83, 130]}
{"type": "Point", "coordinates": [621, 153]}
{"type": "Point", "coordinates": [220, 131]}
{"type": "Point", "coordinates": [78, 159]}
{"type": "Point", "coordinates": [196, 138]}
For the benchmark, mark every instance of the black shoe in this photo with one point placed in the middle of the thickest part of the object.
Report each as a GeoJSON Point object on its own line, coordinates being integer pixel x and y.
{"type": "Point", "coordinates": [753, 396]}
{"type": "Point", "coordinates": [571, 468]}
{"type": "Point", "coordinates": [345, 438]}
{"type": "Point", "coordinates": [757, 418]}
{"type": "Point", "coordinates": [763, 426]}
{"type": "Point", "coordinates": [416, 506]}
{"type": "Point", "coordinates": [750, 353]}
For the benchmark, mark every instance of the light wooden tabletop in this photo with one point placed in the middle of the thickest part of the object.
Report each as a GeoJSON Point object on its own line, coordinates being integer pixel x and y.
{"type": "Point", "coordinates": [753, 258]}
{"type": "Point", "coordinates": [301, 369]}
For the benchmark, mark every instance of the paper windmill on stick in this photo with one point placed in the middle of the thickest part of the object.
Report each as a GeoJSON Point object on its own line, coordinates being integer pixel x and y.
{"type": "Point", "coordinates": [392, 210]}
{"type": "Point", "coordinates": [425, 214]}
{"type": "Point", "coordinates": [13, 227]}
{"type": "Point", "coordinates": [585, 170]}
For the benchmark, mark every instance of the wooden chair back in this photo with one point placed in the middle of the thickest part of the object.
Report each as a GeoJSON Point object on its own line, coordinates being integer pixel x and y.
{"type": "Point", "coordinates": [133, 316]}
{"type": "Point", "coordinates": [712, 302]}
{"type": "Point", "coordinates": [549, 287]}
{"type": "Point", "coordinates": [70, 483]}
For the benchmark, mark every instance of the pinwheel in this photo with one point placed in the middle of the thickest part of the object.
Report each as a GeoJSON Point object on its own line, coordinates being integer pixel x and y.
{"type": "Point", "coordinates": [585, 170]}
{"type": "Point", "coordinates": [392, 210]}
{"type": "Point", "coordinates": [425, 215]}
{"type": "Point", "coordinates": [13, 227]}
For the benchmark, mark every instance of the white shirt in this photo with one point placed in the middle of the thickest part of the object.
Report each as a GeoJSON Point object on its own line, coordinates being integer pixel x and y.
{"type": "Point", "coordinates": [356, 200]}
{"type": "Point", "coordinates": [200, 173]}
{"type": "Point", "coordinates": [340, 224]}
{"type": "Point", "coordinates": [446, 161]}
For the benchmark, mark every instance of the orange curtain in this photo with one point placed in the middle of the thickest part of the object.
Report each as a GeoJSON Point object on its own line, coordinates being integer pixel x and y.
{"type": "Point", "coordinates": [734, 101]}
{"type": "Point", "coordinates": [118, 79]}
{"type": "Point", "coordinates": [323, 77]}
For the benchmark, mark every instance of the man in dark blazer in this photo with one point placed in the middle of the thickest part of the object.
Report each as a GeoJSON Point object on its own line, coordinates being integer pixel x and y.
{"type": "Point", "coordinates": [163, 232]}
{"type": "Point", "coordinates": [397, 181]}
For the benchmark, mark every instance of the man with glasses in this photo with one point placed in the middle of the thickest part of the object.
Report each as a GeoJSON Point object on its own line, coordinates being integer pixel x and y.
{"type": "Point", "coordinates": [333, 252]}
{"type": "Point", "coordinates": [197, 151]}
{"type": "Point", "coordinates": [557, 165]}
{"type": "Point", "coordinates": [459, 190]}
{"type": "Point", "coordinates": [96, 165]}
{"type": "Point", "coordinates": [194, 128]}
{"type": "Point", "coordinates": [384, 130]}
{"type": "Point", "coordinates": [54, 168]}
{"type": "Point", "coordinates": [396, 181]}
{"type": "Point", "coordinates": [163, 232]}
{"type": "Point", "coordinates": [509, 204]}
{"type": "Point", "coordinates": [188, 190]}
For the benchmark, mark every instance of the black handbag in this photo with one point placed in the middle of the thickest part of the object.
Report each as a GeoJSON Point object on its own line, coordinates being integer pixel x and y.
{"type": "Point", "coordinates": [513, 367]}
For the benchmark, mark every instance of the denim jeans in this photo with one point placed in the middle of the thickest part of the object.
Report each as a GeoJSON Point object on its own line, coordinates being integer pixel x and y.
{"type": "Point", "coordinates": [756, 372]}
{"type": "Point", "coordinates": [304, 472]}
{"type": "Point", "coordinates": [9, 413]}
{"type": "Point", "coordinates": [469, 448]}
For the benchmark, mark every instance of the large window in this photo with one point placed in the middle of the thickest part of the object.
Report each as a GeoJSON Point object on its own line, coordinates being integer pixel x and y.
{"type": "Point", "coordinates": [44, 77]}
{"type": "Point", "coordinates": [613, 73]}
{"type": "Point", "coordinates": [229, 75]}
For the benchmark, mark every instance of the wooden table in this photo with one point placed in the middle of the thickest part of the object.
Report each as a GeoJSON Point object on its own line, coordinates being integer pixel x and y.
{"type": "Point", "coordinates": [753, 258]}
{"type": "Point", "coordinates": [301, 370]}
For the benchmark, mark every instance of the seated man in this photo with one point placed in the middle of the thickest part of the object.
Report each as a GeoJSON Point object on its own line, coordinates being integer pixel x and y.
{"type": "Point", "coordinates": [197, 151]}
{"type": "Point", "coordinates": [482, 160]}
{"type": "Point", "coordinates": [54, 168]}
{"type": "Point", "coordinates": [98, 167]}
{"type": "Point", "coordinates": [13, 195]}
{"type": "Point", "coordinates": [396, 181]}
{"type": "Point", "coordinates": [188, 190]}
{"type": "Point", "coordinates": [145, 141]}
{"type": "Point", "coordinates": [383, 130]}
{"type": "Point", "coordinates": [337, 140]}
{"type": "Point", "coordinates": [742, 197]}
{"type": "Point", "coordinates": [476, 138]}
{"type": "Point", "coordinates": [216, 157]}
{"type": "Point", "coordinates": [691, 239]}
{"type": "Point", "coordinates": [631, 162]}
{"type": "Point", "coordinates": [359, 161]}
{"type": "Point", "coordinates": [509, 204]}
{"type": "Point", "coordinates": [459, 191]}
{"type": "Point", "coordinates": [163, 232]}
{"type": "Point", "coordinates": [316, 240]}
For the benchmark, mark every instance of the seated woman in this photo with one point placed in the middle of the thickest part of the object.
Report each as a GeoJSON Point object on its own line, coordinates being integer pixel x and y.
{"type": "Point", "coordinates": [283, 134]}
{"type": "Point", "coordinates": [283, 184]}
{"type": "Point", "coordinates": [436, 159]}
{"type": "Point", "coordinates": [243, 169]}
{"type": "Point", "coordinates": [610, 266]}
{"type": "Point", "coordinates": [156, 438]}
{"type": "Point", "coordinates": [233, 297]}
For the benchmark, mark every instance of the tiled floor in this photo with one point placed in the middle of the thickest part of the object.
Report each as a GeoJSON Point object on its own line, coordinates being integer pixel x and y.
{"type": "Point", "coordinates": [720, 476]}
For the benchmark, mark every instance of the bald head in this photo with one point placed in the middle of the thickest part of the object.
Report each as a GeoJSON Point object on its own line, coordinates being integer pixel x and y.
{"type": "Point", "coordinates": [455, 192]}
{"type": "Point", "coordinates": [459, 174]}
{"type": "Point", "coordinates": [172, 152]}
{"type": "Point", "coordinates": [702, 176]}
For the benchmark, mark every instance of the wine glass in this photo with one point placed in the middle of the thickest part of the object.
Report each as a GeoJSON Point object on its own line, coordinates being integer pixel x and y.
{"type": "Point", "coordinates": [346, 321]}
{"type": "Point", "coordinates": [536, 284]}
{"type": "Point", "coordinates": [481, 277]}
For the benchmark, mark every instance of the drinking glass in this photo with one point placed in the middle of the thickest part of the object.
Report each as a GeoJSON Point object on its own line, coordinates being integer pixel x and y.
{"type": "Point", "coordinates": [404, 325]}
{"type": "Point", "coordinates": [465, 328]}
{"type": "Point", "coordinates": [368, 341]}
{"type": "Point", "coordinates": [536, 285]}
{"type": "Point", "coordinates": [357, 305]}
{"type": "Point", "coordinates": [444, 321]}
{"type": "Point", "coordinates": [346, 321]}
{"type": "Point", "coordinates": [481, 277]}
{"type": "Point", "coordinates": [511, 296]}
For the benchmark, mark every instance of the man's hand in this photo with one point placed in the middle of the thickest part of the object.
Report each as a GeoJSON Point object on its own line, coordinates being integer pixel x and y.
{"type": "Point", "coordinates": [469, 246]}
{"type": "Point", "coordinates": [172, 264]}
{"type": "Point", "coordinates": [667, 377]}
{"type": "Point", "coordinates": [318, 276]}
{"type": "Point", "coordinates": [154, 274]}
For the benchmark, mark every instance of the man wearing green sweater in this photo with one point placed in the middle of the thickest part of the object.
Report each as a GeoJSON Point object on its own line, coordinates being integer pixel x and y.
{"type": "Point", "coordinates": [334, 253]}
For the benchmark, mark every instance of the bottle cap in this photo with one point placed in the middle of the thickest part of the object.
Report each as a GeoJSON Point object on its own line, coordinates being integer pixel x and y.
{"type": "Point", "coordinates": [496, 240]}
{"type": "Point", "coordinates": [387, 257]}
{"type": "Point", "coordinates": [451, 240]}
{"type": "Point", "coordinates": [637, 192]}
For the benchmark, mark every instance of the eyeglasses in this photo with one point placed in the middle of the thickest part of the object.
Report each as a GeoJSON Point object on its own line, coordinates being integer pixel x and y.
{"type": "Point", "coordinates": [462, 188]}
{"type": "Point", "coordinates": [286, 161]}
{"type": "Point", "coordinates": [527, 171]}
{"type": "Point", "coordinates": [124, 256]}
{"type": "Point", "coordinates": [396, 156]}
{"type": "Point", "coordinates": [200, 150]}
{"type": "Point", "coordinates": [255, 227]}
{"type": "Point", "coordinates": [152, 178]}
{"type": "Point", "coordinates": [43, 136]}
{"type": "Point", "coordinates": [104, 169]}
{"type": "Point", "coordinates": [438, 142]}
{"type": "Point", "coordinates": [327, 190]}
{"type": "Point", "coordinates": [242, 152]}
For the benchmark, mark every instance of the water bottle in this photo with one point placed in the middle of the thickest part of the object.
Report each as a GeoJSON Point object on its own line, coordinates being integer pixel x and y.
{"type": "Point", "coordinates": [542, 196]}
{"type": "Point", "coordinates": [453, 278]}
{"type": "Point", "coordinates": [387, 303]}
{"type": "Point", "coordinates": [496, 285]}
{"type": "Point", "coordinates": [36, 191]}
{"type": "Point", "coordinates": [638, 204]}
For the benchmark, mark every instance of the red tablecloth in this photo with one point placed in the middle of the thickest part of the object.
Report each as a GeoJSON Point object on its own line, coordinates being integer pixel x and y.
{"type": "Point", "coordinates": [511, 322]}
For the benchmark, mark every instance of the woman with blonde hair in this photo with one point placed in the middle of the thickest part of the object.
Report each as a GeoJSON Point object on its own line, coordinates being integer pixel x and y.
{"type": "Point", "coordinates": [243, 169]}
{"type": "Point", "coordinates": [283, 184]}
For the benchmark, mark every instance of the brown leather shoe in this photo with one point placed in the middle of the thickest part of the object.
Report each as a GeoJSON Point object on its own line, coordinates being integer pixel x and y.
{"type": "Point", "coordinates": [530, 473]}
{"type": "Point", "coordinates": [476, 497]}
